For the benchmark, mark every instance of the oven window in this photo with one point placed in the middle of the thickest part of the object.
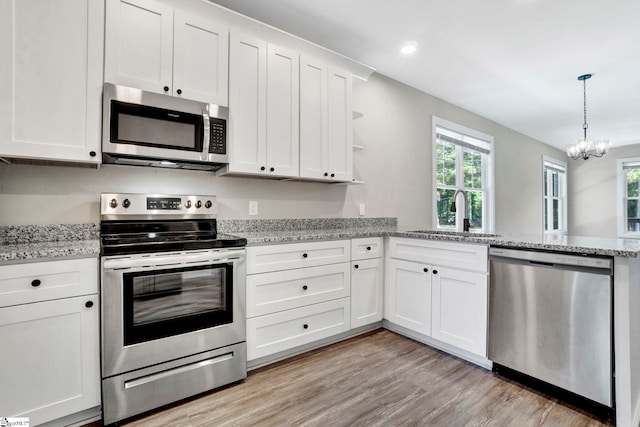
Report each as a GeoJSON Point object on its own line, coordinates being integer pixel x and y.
{"type": "Point", "coordinates": [155, 127]}
{"type": "Point", "coordinates": [162, 303]}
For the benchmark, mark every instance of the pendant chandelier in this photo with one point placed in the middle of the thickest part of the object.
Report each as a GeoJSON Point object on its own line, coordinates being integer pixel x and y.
{"type": "Point", "coordinates": [586, 148]}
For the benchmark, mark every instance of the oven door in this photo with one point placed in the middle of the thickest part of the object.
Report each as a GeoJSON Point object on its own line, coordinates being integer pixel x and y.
{"type": "Point", "coordinates": [164, 306]}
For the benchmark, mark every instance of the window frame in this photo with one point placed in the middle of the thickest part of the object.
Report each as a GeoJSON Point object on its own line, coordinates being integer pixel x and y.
{"type": "Point", "coordinates": [488, 175]}
{"type": "Point", "coordinates": [563, 196]}
{"type": "Point", "coordinates": [622, 198]}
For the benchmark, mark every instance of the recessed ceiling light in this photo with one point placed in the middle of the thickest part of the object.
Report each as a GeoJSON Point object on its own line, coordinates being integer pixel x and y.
{"type": "Point", "coordinates": [408, 49]}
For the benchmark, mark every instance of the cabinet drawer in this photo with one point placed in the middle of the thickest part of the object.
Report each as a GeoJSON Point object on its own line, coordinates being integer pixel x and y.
{"type": "Point", "coordinates": [462, 256]}
{"type": "Point", "coordinates": [33, 282]}
{"type": "Point", "coordinates": [281, 331]}
{"type": "Point", "coordinates": [263, 259]}
{"type": "Point", "coordinates": [370, 247]}
{"type": "Point", "coordinates": [283, 290]}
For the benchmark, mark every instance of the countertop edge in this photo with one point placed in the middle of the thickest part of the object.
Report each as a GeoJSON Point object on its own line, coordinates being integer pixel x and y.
{"type": "Point", "coordinates": [294, 236]}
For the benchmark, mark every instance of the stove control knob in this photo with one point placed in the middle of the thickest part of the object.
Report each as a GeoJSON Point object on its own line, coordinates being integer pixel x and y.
{"type": "Point", "coordinates": [126, 203]}
{"type": "Point", "coordinates": [188, 204]}
{"type": "Point", "coordinates": [199, 204]}
{"type": "Point", "coordinates": [113, 203]}
{"type": "Point", "coordinates": [208, 204]}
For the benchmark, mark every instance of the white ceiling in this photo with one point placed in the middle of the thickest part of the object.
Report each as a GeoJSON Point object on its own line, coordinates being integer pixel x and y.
{"type": "Point", "coordinates": [515, 62]}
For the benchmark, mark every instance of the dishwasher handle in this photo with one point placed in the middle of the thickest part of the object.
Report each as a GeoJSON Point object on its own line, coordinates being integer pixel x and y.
{"type": "Point", "coordinates": [552, 260]}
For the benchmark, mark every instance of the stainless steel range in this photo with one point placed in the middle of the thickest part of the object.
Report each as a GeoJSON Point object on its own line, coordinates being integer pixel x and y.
{"type": "Point", "coordinates": [173, 302]}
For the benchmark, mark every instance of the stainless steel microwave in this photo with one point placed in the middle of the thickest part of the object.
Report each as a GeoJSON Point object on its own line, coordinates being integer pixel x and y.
{"type": "Point", "coordinates": [149, 129]}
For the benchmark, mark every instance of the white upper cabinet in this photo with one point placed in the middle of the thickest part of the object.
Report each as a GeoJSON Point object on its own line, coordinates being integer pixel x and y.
{"type": "Point", "coordinates": [283, 88]}
{"type": "Point", "coordinates": [339, 124]}
{"type": "Point", "coordinates": [325, 122]}
{"type": "Point", "coordinates": [51, 80]}
{"type": "Point", "coordinates": [151, 46]}
{"type": "Point", "coordinates": [200, 59]}
{"type": "Point", "coordinates": [263, 102]}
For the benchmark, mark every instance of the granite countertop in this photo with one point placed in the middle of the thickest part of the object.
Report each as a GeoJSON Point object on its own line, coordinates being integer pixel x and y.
{"type": "Point", "coordinates": [32, 243]}
{"type": "Point", "coordinates": [571, 244]}
{"type": "Point", "coordinates": [20, 244]}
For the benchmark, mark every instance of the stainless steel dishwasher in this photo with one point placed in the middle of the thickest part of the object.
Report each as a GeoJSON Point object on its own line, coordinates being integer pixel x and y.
{"type": "Point", "coordinates": [550, 317]}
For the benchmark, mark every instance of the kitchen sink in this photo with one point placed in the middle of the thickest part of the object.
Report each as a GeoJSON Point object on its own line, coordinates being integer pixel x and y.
{"type": "Point", "coordinates": [455, 233]}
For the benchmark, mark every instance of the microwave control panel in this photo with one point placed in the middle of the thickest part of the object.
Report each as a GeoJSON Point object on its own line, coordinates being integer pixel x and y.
{"type": "Point", "coordinates": [218, 144]}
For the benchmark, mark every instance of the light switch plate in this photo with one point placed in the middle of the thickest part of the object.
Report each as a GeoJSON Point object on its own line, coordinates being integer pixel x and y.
{"type": "Point", "coordinates": [253, 207]}
{"type": "Point", "coordinates": [361, 209]}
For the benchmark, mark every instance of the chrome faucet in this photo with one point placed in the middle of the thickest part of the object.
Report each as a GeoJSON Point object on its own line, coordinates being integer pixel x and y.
{"type": "Point", "coordinates": [465, 222]}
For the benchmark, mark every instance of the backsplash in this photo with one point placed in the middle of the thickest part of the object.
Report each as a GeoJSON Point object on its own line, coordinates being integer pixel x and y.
{"type": "Point", "coordinates": [19, 234]}
{"type": "Point", "coordinates": [264, 225]}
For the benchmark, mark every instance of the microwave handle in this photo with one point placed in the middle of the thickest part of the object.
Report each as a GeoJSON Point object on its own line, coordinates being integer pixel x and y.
{"type": "Point", "coordinates": [207, 134]}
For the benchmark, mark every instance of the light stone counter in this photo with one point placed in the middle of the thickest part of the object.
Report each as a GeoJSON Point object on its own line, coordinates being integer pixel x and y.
{"type": "Point", "coordinates": [33, 243]}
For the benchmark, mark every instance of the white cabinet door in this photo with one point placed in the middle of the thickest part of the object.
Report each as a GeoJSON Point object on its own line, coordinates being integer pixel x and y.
{"type": "Point", "coordinates": [139, 45]}
{"type": "Point", "coordinates": [200, 59]}
{"type": "Point", "coordinates": [247, 104]}
{"type": "Point", "coordinates": [282, 112]}
{"type": "Point", "coordinates": [50, 359]}
{"type": "Point", "coordinates": [459, 311]}
{"type": "Point", "coordinates": [325, 122]}
{"type": "Point", "coordinates": [407, 295]}
{"type": "Point", "coordinates": [339, 122]}
{"type": "Point", "coordinates": [313, 119]}
{"type": "Point", "coordinates": [263, 102]}
{"type": "Point", "coordinates": [366, 291]}
{"type": "Point", "coordinates": [51, 79]}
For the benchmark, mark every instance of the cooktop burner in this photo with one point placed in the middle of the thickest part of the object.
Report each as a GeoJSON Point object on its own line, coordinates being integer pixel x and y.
{"type": "Point", "coordinates": [139, 223]}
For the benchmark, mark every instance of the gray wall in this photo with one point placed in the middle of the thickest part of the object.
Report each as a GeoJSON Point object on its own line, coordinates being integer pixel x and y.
{"type": "Point", "coordinates": [592, 188]}
{"type": "Point", "coordinates": [396, 167]}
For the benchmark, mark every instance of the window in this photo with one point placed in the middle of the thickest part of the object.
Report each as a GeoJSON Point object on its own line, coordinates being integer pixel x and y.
{"type": "Point", "coordinates": [554, 194]}
{"type": "Point", "coordinates": [628, 195]}
{"type": "Point", "coordinates": [463, 160]}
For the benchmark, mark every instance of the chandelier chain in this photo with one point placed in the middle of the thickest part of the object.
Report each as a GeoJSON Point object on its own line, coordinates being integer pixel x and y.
{"type": "Point", "coordinates": [584, 91]}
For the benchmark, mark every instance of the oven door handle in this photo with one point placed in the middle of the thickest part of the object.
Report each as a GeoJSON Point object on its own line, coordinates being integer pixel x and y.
{"type": "Point", "coordinates": [166, 261]}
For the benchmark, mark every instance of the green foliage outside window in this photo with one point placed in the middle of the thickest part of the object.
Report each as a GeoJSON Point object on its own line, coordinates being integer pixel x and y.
{"type": "Point", "coordinates": [472, 179]}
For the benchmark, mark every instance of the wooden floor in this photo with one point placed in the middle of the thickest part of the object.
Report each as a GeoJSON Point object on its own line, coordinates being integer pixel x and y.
{"type": "Point", "coordinates": [381, 379]}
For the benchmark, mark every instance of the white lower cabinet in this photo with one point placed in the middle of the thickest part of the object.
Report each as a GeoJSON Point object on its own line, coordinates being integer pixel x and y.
{"type": "Point", "coordinates": [367, 279]}
{"type": "Point", "coordinates": [297, 293]}
{"type": "Point", "coordinates": [459, 309]}
{"type": "Point", "coordinates": [284, 290]}
{"type": "Point", "coordinates": [446, 302]}
{"type": "Point", "coordinates": [407, 297]}
{"type": "Point", "coordinates": [50, 360]}
{"type": "Point", "coordinates": [284, 330]}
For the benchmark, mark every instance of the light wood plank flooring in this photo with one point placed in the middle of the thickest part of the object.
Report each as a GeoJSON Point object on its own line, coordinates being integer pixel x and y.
{"type": "Point", "coordinates": [380, 379]}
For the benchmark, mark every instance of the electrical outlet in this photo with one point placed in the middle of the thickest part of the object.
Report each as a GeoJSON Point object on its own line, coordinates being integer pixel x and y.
{"type": "Point", "coordinates": [253, 207]}
{"type": "Point", "coordinates": [361, 209]}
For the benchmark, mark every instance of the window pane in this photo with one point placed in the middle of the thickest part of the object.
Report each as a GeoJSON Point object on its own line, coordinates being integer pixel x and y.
{"type": "Point", "coordinates": [475, 208]}
{"type": "Point", "coordinates": [633, 176]}
{"type": "Point", "coordinates": [445, 163]}
{"type": "Point", "coordinates": [446, 219]}
{"type": "Point", "coordinates": [544, 185]}
{"type": "Point", "coordinates": [554, 176]}
{"type": "Point", "coordinates": [546, 210]}
{"type": "Point", "coordinates": [472, 168]}
{"type": "Point", "coordinates": [556, 214]}
{"type": "Point", "coordinates": [632, 209]}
